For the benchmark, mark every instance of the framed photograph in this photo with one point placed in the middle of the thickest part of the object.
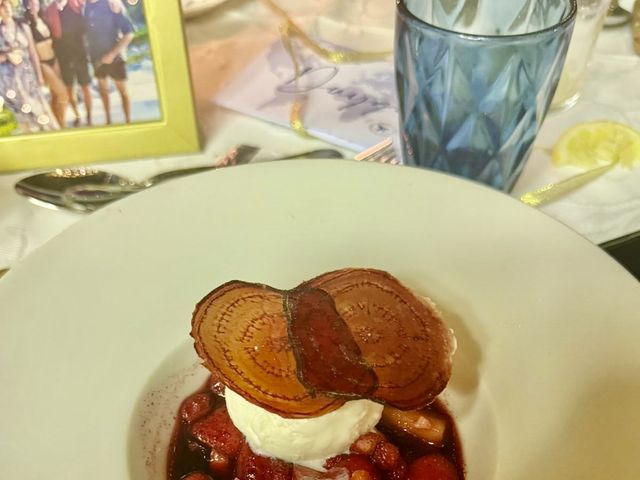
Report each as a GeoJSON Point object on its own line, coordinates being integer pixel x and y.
{"type": "Point", "coordinates": [85, 81]}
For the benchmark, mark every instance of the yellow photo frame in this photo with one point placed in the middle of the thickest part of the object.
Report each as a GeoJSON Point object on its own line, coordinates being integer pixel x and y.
{"type": "Point", "coordinates": [175, 132]}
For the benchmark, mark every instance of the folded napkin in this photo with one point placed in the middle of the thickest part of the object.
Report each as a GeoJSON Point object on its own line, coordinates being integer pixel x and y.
{"type": "Point", "coordinates": [608, 207]}
{"type": "Point", "coordinates": [23, 225]}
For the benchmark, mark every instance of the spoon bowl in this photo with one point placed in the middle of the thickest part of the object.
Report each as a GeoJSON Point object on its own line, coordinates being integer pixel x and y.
{"type": "Point", "coordinates": [48, 188]}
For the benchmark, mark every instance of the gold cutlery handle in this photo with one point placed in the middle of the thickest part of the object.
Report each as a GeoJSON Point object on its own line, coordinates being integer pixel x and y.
{"type": "Point", "coordinates": [550, 192]}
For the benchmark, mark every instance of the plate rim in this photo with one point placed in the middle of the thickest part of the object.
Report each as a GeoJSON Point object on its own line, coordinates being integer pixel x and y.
{"type": "Point", "coordinates": [124, 211]}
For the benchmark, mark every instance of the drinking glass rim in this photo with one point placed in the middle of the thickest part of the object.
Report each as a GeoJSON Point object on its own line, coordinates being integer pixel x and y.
{"type": "Point", "coordinates": [402, 8]}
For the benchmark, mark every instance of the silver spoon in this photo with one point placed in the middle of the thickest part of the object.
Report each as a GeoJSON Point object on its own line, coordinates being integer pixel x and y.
{"type": "Point", "coordinates": [86, 190]}
{"type": "Point", "coordinates": [90, 197]}
{"type": "Point", "coordinates": [47, 189]}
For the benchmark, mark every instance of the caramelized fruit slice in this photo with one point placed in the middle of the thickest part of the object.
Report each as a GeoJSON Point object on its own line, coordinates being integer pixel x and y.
{"type": "Point", "coordinates": [240, 332]}
{"type": "Point", "coordinates": [425, 425]}
{"type": "Point", "coordinates": [328, 358]}
{"type": "Point", "coordinates": [401, 336]}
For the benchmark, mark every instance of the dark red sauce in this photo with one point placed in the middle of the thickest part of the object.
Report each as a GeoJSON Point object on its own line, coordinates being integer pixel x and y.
{"type": "Point", "coordinates": [205, 445]}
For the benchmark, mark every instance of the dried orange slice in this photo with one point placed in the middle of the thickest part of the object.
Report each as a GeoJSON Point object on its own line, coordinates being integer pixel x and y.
{"type": "Point", "coordinates": [401, 335]}
{"type": "Point", "coordinates": [240, 331]}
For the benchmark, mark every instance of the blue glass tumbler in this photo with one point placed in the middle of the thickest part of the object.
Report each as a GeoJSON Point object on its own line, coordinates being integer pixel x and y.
{"type": "Point", "coordinates": [475, 79]}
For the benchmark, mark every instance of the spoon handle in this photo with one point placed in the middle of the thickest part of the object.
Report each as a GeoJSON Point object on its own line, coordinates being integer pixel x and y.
{"type": "Point", "coordinates": [90, 193]}
{"type": "Point", "coordinates": [236, 156]}
{"type": "Point", "coordinates": [96, 195]}
{"type": "Point", "coordinates": [91, 196]}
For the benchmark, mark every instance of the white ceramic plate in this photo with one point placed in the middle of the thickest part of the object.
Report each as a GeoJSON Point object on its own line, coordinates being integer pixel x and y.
{"type": "Point", "coordinates": [94, 346]}
{"type": "Point", "coordinates": [191, 8]}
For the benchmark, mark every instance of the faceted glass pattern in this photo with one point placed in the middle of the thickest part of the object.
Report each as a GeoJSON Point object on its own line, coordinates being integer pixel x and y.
{"type": "Point", "coordinates": [472, 103]}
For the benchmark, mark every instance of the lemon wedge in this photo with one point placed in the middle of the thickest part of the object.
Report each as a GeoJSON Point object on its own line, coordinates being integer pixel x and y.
{"type": "Point", "coordinates": [590, 145]}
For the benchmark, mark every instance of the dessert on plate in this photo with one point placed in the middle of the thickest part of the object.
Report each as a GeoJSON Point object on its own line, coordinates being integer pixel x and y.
{"type": "Point", "coordinates": [336, 379]}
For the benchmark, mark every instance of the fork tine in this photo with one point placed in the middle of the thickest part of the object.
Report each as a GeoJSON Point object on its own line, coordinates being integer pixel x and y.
{"type": "Point", "coordinates": [371, 154]}
{"type": "Point", "coordinates": [379, 153]}
{"type": "Point", "coordinates": [388, 155]}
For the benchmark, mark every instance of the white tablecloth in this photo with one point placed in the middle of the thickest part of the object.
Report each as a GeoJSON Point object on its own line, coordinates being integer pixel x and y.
{"type": "Point", "coordinates": [223, 40]}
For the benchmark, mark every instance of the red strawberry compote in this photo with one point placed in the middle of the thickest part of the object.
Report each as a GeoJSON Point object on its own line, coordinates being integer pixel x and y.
{"type": "Point", "coordinates": [207, 446]}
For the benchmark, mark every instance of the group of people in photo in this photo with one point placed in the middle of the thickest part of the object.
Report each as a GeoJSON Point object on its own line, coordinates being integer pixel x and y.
{"type": "Point", "coordinates": [50, 52]}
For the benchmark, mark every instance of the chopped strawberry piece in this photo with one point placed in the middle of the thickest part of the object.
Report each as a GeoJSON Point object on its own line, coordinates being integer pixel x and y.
{"type": "Point", "coordinates": [195, 407]}
{"type": "Point", "coordinates": [386, 456]}
{"type": "Point", "coordinates": [366, 444]}
{"type": "Point", "coordinates": [251, 466]}
{"type": "Point", "coordinates": [197, 448]}
{"type": "Point", "coordinates": [354, 462]}
{"type": "Point", "coordinates": [217, 432]}
{"type": "Point", "coordinates": [196, 476]}
{"type": "Point", "coordinates": [398, 473]}
{"type": "Point", "coordinates": [432, 467]}
{"type": "Point", "coordinates": [304, 473]}
{"type": "Point", "coordinates": [219, 463]}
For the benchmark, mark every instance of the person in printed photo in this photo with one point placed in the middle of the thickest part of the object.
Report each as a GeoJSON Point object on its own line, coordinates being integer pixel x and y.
{"type": "Point", "coordinates": [21, 78]}
{"type": "Point", "coordinates": [43, 40]}
{"type": "Point", "coordinates": [109, 32]}
{"type": "Point", "coordinates": [68, 28]}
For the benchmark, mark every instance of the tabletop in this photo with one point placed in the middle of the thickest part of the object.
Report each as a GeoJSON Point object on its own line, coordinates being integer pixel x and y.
{"type": "Point", "coordinates": [224, 39]}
